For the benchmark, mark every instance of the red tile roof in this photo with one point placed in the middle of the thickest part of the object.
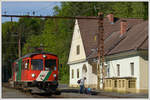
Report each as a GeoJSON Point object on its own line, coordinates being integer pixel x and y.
{"type": "Point", "coordinates": [136, 36]}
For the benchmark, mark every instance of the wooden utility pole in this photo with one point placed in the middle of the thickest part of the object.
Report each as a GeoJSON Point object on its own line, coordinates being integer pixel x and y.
{"type": "Point", "coordinates": [100, 50]}
{"type": "Point", "coordinates": [19, 44]}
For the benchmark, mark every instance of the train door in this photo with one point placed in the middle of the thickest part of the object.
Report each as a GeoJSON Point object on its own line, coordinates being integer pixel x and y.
{"type": "Point", "coordinates": [24, 69]}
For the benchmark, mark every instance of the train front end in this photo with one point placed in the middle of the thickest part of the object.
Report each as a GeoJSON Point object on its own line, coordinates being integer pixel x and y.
{"type": "Point", "coordinates": [37, 70]}
{"type": "Point", "coordinates": [44, 71]}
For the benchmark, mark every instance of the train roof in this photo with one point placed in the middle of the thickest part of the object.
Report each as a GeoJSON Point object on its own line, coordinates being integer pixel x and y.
{"type": "Point", "coordinates": [35, 53]}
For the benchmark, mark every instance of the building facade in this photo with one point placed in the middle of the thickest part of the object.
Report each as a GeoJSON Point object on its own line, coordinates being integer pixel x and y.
{"type": "Point", "coordinates": [126, 54]}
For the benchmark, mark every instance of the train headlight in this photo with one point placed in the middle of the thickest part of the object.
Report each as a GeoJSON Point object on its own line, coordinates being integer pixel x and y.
{"type": "Point", "coordinates": [44, 56]}
{"type": "Point", "coordinates": [54, 75]}
{"type": "Point", "coordinates": [33, 75]}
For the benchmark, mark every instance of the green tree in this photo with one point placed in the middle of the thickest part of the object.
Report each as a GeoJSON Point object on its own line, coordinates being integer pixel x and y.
{"type": "Point", "coordinates": [56, 34]}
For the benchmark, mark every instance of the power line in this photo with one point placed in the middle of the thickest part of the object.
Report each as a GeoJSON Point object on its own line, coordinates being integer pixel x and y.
{"type": "Point", "coordinates": [56, 17]}
{"type": "Point", "coordinates": [65, 17]}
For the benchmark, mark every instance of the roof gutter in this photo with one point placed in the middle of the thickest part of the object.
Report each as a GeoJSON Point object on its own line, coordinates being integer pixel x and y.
{"type": "Point", "coordinates": [77, 61]}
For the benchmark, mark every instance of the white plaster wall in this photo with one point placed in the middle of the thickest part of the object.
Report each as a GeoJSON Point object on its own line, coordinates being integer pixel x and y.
{"type": "Point", "coordinates": [125, 70]}
{"type": "Point", "coordinates": [76, 40]}
{"type": "Point", "coordinates": [143, 73]}
{"type": "Point", "coordinates": [75, 67]}
{"type": "Point", "coordinates": [92, 77]}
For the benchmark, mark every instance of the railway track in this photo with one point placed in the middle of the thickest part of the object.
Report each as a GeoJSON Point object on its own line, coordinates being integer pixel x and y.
{"type": "Point", "coordinates": [29, 91]}
{"type": "Point", "coordinates": [67, 93]}
{"type": "Point", "coordinates": [74, 93]}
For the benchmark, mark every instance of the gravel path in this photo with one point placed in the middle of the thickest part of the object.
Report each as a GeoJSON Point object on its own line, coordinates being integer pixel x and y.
{"type": "Point", "coordinates": [13, 93]}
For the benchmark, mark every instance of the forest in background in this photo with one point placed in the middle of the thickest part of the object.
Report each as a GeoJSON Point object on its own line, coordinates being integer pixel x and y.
{"type": "Point", "coordinates": [56, 34]}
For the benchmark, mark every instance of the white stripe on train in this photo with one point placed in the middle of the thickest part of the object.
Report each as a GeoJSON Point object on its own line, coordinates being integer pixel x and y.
{"type": "Point", "coordinates": [42, 75]}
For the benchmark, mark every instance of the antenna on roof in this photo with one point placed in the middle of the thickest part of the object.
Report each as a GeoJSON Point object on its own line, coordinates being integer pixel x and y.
{"type": "Point", "coordinates": [39, 49]}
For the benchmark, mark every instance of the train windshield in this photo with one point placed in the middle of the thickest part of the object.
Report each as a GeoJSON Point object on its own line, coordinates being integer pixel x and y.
{"type": "Point", "coordinates": [50, 64]}
{"type": "Point", "coordinates": [37, 64]}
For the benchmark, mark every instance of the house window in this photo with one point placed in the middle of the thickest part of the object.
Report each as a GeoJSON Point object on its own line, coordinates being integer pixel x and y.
{"type": "Point", "coordinates": [123, 83]}
{"type": "Point", "coordinates": [118, 69]}
{"type": "Point", "coordinates": [132, 68]}
{"type": "Point", "coordinates": [77, 73]}
{"type": "Point", "coordinates": [119, 83]}
{"type": "Point", "coordinates": [108, 72]}
{"type": "Point", "coordinates": [78, 49]}
{"type": "Point", "coordinates": [115, 83]}
{"type": "Point", "coordinates": [72, 73]}
{"type": "Point", "coordinates": [131, 83]}
{"type": "Point", "coordinates": [109, 83]}
{"type": "Point", "coordinates": [84, 69]}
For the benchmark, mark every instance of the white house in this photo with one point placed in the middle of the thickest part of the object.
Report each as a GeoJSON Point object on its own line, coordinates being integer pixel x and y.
{"type": "Point", "coordinates": [126, 54]}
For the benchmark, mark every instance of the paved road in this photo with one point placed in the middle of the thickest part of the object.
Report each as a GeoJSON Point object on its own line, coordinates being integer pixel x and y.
{"type": "Point", "coordinates": [67, 93]}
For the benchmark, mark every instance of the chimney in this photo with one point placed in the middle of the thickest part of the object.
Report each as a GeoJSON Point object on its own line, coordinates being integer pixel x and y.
{"type": "Point", "coordinates": [111, 18]}
{"type": "Point", "coordinates": [123, 27]}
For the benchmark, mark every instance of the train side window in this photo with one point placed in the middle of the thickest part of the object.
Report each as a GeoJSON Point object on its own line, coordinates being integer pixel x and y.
{"type": "Point", "coordinates": [25, 65]}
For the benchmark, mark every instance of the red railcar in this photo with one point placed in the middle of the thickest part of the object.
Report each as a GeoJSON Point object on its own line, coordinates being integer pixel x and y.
{"type": "Point", "coordinates": [36, 70]}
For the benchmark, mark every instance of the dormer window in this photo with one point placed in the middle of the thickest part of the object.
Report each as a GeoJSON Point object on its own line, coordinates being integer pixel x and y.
{"type": "Point", "coordinates": [78, 49]}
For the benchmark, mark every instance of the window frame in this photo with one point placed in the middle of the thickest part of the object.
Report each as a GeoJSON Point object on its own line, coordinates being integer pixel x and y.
{"type": "Point", "coordinates": [118, 69]}
{"type": "Point", "coordinates": [72, 73]}
{"type": "Point", "coordinates": [78, 49]}
{"type": "Point", "coordinates": [23, 65]}
{"type": "Point", "coordinates": [131, 83]}
{"type": "Point", "coordinates": [78, 73]}
{"type": "Point", "coordinates": [119, 82]}
{"type": "Point", "coordinates": [123, 83]}
{"type": "Point", "coordinates": [38, 66]}
{"type": "Point", "coordinates": [53, 65]}
{"type": "Point", "coordinates": [109, 83]}
{"type": "Point", "coordinates": [108, 71]}
{"type": "Point", "coordinates": [132, 68]}
{"type": "Point", "coordinates": [115, 83]}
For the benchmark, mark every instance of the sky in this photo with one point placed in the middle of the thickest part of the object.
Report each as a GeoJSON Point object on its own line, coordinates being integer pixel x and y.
{"type": "Point", "coordinates": [22, 8]}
